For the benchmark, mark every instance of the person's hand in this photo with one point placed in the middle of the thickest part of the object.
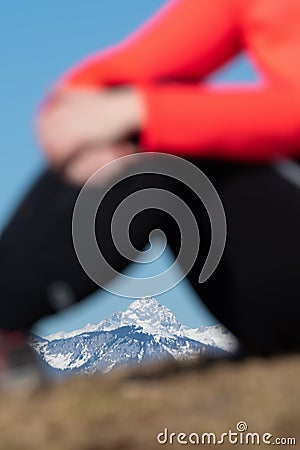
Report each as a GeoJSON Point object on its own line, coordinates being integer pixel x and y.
{"type": "Point", "coordinates": [86, 163]}
{"type": "Point", "coordinates": [77, 119]}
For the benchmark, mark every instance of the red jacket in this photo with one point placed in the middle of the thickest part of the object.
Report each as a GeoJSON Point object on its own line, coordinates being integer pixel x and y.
{"type": "Point", "coordinates": [169, 56]}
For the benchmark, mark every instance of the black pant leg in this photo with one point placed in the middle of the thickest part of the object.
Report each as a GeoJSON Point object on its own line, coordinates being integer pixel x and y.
{"type": "Point", "coordinates": [39, 269]}
{"type": "Point", "coordinates": [36, 250]}
{"type": "Point", "coordinates": [255, 290]}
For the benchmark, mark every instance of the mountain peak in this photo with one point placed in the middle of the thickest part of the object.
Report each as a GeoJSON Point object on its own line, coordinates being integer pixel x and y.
{"type": "Point", "coordinates": [148, 314]}
{"type": "Point", "coordinates": [144, 303]}
{"type": "Point", "coordinates": [145, 330]}
{"type": "Point", "coordinates": [154, 319]}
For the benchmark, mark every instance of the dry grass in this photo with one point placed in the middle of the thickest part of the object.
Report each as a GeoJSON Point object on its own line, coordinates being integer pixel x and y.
{"type": "Point", "coordinates": [126, 410]}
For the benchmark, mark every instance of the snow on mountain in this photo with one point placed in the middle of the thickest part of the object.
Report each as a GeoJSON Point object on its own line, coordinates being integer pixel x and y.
{"type": "Point", "coordinates": [146, 330]}
{"type": "Point", "coordinates": [217, 336]}
{"type": "Point", "coordinates": [148, 314]}
{"type": "Point", "coordinates": [158, 320]}
{"type": "Point", "coordinates": [65, 335]}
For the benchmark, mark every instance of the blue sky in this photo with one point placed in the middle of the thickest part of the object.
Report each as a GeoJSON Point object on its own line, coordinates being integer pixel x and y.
{"type": "Point", "coordinates": [39, 40]}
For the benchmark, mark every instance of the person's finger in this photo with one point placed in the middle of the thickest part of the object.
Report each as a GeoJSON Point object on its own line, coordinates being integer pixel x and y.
{"type": "Point", "coordinates": [55, 135]}
{"type": "Point", "coordinates": [81, 168]}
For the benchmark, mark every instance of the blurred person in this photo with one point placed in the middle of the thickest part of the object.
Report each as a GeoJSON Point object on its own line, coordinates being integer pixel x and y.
{"type": "Point", "coordinates": [148, 93]}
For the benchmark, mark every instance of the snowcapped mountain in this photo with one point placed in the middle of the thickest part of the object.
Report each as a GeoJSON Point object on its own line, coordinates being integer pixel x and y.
{"type": "Point", "coordinates": [145, 331]}
{"type": "Point", "coordinates": [217, 336]}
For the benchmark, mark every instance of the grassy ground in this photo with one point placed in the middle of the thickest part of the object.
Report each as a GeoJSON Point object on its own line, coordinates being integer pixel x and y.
{"type": "Point", "coordinates": [128, 409]}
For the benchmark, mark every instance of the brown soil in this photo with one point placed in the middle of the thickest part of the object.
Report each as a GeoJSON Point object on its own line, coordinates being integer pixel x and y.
{"type": "Point", "coordinates": [127, 409]}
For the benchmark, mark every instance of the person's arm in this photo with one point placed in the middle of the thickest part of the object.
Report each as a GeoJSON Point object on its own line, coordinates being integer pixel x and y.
{"type": "Point", "coordinates": [254, 124]}
{"type": "Point", "coordinates": [185, 40]}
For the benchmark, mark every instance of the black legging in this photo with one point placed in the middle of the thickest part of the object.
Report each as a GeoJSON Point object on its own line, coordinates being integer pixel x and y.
{"type": "Point", "coordinates": [255, 290]}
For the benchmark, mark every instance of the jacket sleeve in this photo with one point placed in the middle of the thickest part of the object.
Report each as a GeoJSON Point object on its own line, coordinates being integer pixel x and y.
{"type": "Point", "coordinates": [183, 43]}
{"type": "Point", "coordinates": [185, 40]}
{"type": "Point", "coordinates": [250, 124]}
